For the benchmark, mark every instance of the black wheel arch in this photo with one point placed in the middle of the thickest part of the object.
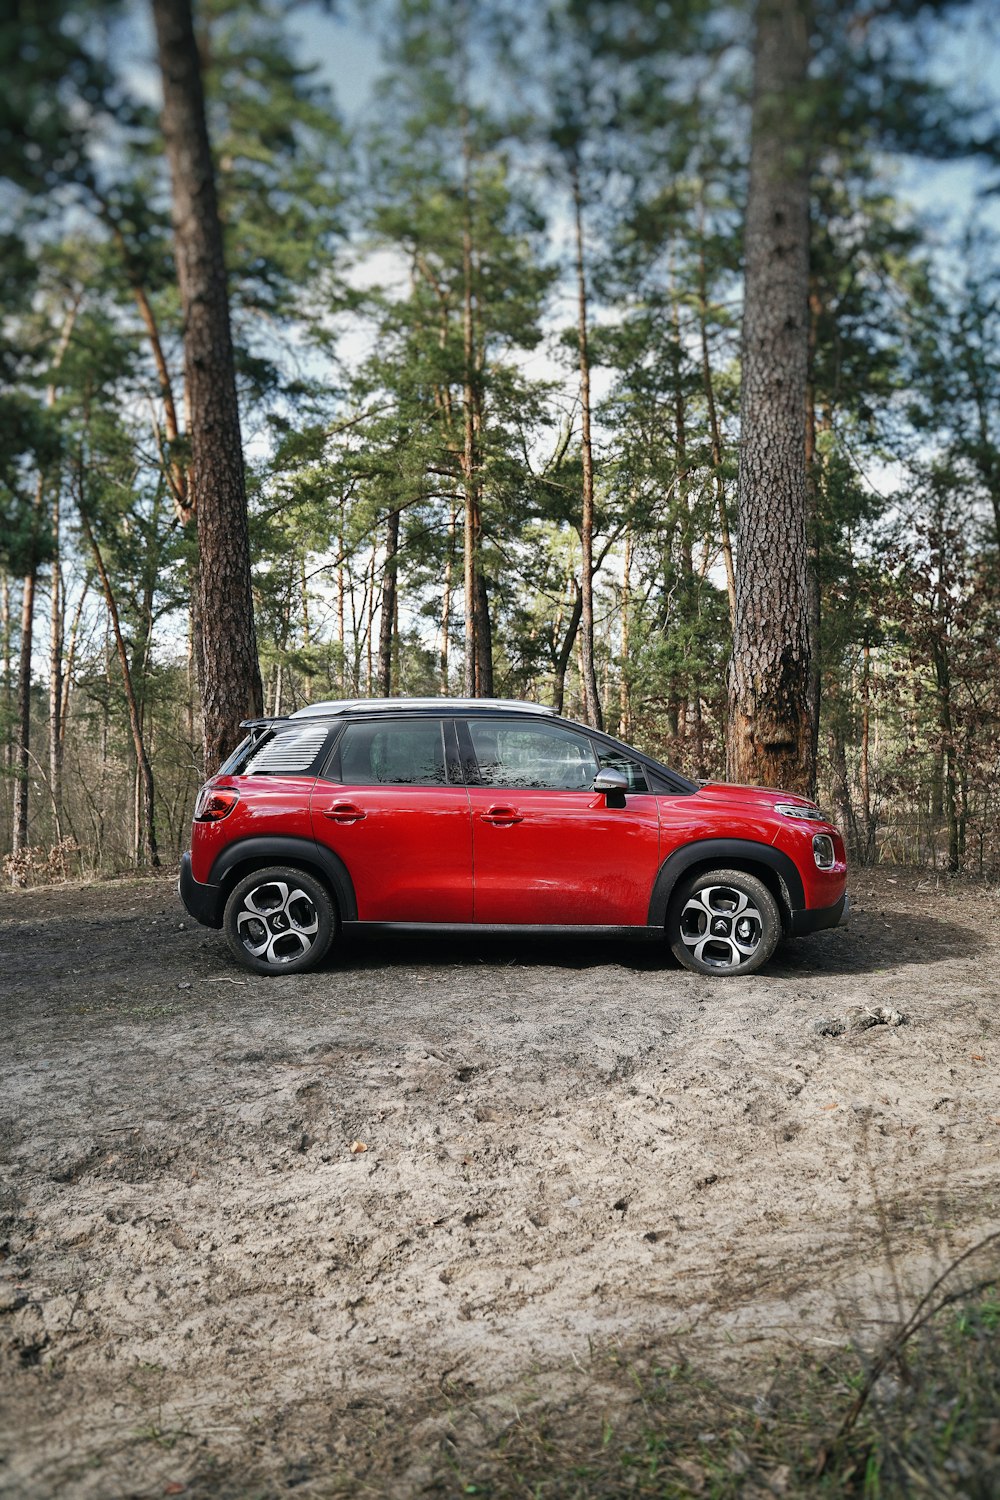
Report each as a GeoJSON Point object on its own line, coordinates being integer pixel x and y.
{"type": "Point", "coordinates": [247, 855]}
{"type": "Point", "coordinates": [770, 865]}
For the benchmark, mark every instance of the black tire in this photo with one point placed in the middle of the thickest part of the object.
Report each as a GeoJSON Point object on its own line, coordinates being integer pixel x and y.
{"type": "Point", "coordinates": [279, 920]}
{"type": "Point", "coordinates": [723, 922]}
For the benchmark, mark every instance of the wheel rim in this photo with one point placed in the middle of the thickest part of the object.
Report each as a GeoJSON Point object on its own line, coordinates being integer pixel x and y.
{"type": "Point", "coordinates": [721, 926]}
{"type": "Point", "coordinates": [277, 922]}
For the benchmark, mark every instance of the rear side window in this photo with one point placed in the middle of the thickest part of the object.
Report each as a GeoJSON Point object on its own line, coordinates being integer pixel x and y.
{"type": "Point", "coordinates": [401, 752]}
{"type": "Point", "coordinates": [295, 751]}
{"type": "Point", "coordinates": [532, 757]}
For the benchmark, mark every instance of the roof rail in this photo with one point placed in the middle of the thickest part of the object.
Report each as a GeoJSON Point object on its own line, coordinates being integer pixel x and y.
{"type": "Point", "coordinates": [333, 706]}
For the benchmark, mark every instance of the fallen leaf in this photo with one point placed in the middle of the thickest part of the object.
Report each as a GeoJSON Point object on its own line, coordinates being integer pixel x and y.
{"type": "Point", "coordinates": [357, 1147]}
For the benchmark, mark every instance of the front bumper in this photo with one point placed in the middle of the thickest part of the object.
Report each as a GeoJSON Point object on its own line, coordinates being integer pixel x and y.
{"type": "Point", "coordinates": [820, 917]}
{"type": "Point", "coordinates": [205, 903]}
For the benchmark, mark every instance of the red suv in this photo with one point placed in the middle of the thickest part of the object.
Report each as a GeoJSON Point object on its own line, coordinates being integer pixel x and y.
{"type": "Point", "coordinates": [489, 815]}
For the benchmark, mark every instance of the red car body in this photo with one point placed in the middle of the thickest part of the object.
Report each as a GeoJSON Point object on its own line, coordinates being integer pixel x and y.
{"type": "Point", "coordinates": [486, 856]}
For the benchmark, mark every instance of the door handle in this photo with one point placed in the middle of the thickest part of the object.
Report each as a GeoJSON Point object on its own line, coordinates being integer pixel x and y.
{"type": "Point", "coordinates": [502, 817]}
{"type": "Point", "coordinates": [344, 812]}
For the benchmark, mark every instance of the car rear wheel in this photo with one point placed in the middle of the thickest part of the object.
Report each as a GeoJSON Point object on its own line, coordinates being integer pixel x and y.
{"type": "Point", "coordinates": [279, 921]}
{"type": "Point", "coordinates": [723, 922]}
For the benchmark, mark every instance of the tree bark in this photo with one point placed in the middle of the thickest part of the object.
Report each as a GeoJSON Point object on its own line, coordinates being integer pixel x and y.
{"type": "Point", "coordinates": [770, 737]}
{"type": "Point", "coordinates": [231, 684]}
{"type": "Point", "coordinates": [592, 702]}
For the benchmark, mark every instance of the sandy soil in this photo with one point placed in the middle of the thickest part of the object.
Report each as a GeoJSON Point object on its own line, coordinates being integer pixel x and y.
{"type": "Point", "coordinates": [568, 1145]}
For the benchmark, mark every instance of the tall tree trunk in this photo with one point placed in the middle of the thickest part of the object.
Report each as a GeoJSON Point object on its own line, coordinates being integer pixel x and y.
{"type": "Point", "coordinates": [143, 768]}
{"type": "Point", "coordinates": [864, 768]}
{"type": "Point", "coordinates": [70, 658]}
{"type": "Point", "coordinates": [713, 421]}
{"type": "Point", "coordinates": [484, 639]}
{"type": "Point", "coordinates": [770, 728]}
{"type": "Point", "coordinates": [231, 684]}
{"type": "Point", "coordinates": [22, 754]}
{"type": "Point", "coordinates": [8, 695]}
{"type": "Point", "coordinates": [55, 678]}
{"type": "Point", "coordinates": [22, 748]}
{"type": "Point", "coordinates": [306, 632]}
{"type": "Point", "coordinates": [469, 465]}
{"type": "Point", "coordinates": [813, 519]}
{"type": "Point", "coordinates": [387, 616]}
{"type": "Point", "coordinates": [446, 600]}
{"type": "Point", "coordinates": [566, 651]}
{"type": "Point", "coordinates": [624, 681]}
{"type": "Point", "coordinates": [592, 702]}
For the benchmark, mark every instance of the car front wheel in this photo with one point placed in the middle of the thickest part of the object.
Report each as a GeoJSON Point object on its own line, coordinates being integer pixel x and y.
{"type": "Point", "coordinates": [723, 922]}
{"type": "Point", "coordinates": [279, 921]}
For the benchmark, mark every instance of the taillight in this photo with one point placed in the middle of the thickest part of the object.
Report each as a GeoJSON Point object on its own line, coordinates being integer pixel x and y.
{"type": "Point", "coordinates": [214, 804]}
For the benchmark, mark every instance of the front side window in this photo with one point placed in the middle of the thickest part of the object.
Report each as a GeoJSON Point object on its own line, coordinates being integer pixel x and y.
{"type": "Point", "coordinates": [542, 757]}
{"type": "Point", "coordinates": [400, 752]}
{"type": "Point", "coordinates": [616, 760]}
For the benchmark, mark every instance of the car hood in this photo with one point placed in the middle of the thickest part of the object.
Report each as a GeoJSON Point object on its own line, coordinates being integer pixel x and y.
{"type": "Point", "coordinates": [761, 798]}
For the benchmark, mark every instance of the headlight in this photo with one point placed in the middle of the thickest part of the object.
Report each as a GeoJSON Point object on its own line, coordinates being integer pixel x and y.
{"type": "Point", "coordinates": [796, 810]}
{"type": "Point", "coordinates": [823, 852]}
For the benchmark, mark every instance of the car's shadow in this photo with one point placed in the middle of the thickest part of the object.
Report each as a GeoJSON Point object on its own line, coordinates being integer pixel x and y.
{"type": "Point", "coordinates": [870, 943]}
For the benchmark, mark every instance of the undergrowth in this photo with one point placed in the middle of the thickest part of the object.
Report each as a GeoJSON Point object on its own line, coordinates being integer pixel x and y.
{"type": "Point", "coordinates": [926, 1423]}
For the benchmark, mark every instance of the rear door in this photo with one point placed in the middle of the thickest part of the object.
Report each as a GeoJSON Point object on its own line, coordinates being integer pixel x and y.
{"type": "Point", "coordinates": [546, 848]}
{"type": "Point", "coordinates": [392, 805]}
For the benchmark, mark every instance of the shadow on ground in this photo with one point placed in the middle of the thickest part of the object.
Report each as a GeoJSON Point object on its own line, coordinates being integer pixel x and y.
{"type": "Point", "coordinates": [869, 944]}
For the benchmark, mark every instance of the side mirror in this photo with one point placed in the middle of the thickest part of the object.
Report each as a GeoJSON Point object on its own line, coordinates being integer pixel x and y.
{"type": "Point", "coordinates": [614, 784]}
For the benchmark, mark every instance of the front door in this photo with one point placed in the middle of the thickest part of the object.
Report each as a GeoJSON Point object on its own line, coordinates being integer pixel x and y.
{"type": "Point", "coordinates": [390, 807]}
{"type": "Point", "coordinates": [546, 848]}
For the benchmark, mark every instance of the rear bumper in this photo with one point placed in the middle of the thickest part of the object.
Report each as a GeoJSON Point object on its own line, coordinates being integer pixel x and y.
{"type": "Point", "coordinates": [820, 917]}
{"type": "Point", "coordinates": [203, 902]}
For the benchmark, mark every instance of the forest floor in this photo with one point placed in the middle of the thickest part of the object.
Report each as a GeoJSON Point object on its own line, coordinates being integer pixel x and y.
{"type": "Point", "coordinates": [581, 1162]}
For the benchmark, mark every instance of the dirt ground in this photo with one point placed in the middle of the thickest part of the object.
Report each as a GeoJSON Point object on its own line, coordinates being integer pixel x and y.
{"type": "Point", "coordinates": [207, 1288]}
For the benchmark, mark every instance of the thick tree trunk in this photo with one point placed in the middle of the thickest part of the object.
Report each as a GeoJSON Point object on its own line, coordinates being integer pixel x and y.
{"type": "Point", "coordinates": [592, 702]}
{"type": "Point", "coordinates": [231, 684]}
{"type": "Point", "coordinates": [387, 616]}
{"type": "Point", "coordinates": [770, 727]}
